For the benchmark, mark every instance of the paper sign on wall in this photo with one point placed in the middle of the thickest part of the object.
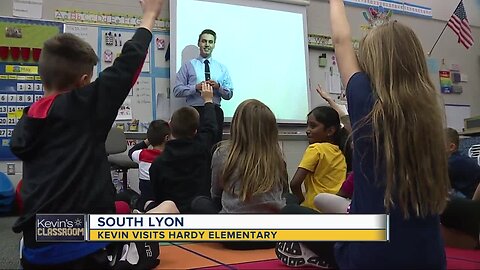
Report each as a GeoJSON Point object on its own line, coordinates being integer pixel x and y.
{"type": "Point", "coordinates": [28, 9]}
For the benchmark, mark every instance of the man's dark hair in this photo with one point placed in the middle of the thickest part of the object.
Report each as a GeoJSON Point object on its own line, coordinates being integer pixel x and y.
{"type": "Point", "coordinates": [208, 31]}
{"type": "Point", "coordinates": [157, 130]}
{"type": "Point", "coordinates": [185, 121]}
{"type": "Point", "coordinates": [64, 59]}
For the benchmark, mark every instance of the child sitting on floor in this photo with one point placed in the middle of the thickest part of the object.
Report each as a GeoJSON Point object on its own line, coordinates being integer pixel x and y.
{"type": "Point", "coordinates": [158, 134]}
{"type": "Point", "coordinates": [323, 167]}
{"type": "Point", "coordinates": [182, 172]}
{"type": "Point", "coordinates": [249, 174]}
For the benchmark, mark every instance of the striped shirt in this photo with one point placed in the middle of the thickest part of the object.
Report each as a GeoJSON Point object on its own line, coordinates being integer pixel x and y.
{"type": "Point", "coordinates": [144, 158]}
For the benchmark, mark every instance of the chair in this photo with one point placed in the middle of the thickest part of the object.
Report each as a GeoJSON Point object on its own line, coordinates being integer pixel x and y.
{"type": "Point", "coordinates": [116, 145]}
{"type": "Point", "coordinates": [474, 151]}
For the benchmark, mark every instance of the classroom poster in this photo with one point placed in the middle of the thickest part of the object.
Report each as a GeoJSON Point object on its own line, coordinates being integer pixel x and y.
{"type": "Point", "coordinates": [142, 100]}
{"type": "Point", "coordinates": [21, 41]}
{"type": "Point", "coordinates": [162, 57]}
{"type": "Point", "coordinates": [125, 111]}
{"type": "Point", "coordinates": [111, 46]}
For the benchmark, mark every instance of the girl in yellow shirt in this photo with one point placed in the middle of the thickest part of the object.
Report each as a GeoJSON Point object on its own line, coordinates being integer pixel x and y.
{"type": "Point", "coordinates": [323, 168]}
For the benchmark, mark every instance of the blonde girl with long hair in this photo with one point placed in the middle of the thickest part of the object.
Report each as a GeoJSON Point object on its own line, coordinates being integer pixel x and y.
{"type": "Point", "coordinates": [249, 174]}
{"type": "Point", "coordinates": [248, 171]}
{"type": "Point", "coordinates": [399, 156]}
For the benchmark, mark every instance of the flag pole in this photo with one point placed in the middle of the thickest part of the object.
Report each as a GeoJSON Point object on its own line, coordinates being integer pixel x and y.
{"type": "Point", "coordinates": [445, 27]}
{"type": "Point", "coordinates": [435, 44]}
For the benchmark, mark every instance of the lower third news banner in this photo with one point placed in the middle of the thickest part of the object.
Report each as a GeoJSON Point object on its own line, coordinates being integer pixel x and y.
{"type": "Point", "coordinates": [242, 227]}
{"type": "Point", "coordinates": [222, 227]}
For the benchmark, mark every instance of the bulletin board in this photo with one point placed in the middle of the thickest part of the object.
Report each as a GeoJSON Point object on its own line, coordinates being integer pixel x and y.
{"type": "Point", "coordinates": [21, 41]}
{"type": "Point", "coordinates": [150, 87]}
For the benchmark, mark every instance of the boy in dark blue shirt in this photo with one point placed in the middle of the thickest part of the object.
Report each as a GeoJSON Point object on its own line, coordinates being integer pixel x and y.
{"type": "Point", "coordinates": [463, 171]}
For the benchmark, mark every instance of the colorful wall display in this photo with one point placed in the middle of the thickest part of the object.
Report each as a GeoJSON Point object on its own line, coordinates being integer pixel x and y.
{"type": "Point", "coordinates": [101, 18]}
{"type": "Point", "coordinates": [21, 41]}
{"type": "Point", "coordinates": [395, 6]}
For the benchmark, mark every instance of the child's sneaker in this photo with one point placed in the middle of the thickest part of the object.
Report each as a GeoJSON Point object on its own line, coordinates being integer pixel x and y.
{"type": "Point", "coordinates": [136, 211]}
{"type": "Point", "coordinates": [296, 254]}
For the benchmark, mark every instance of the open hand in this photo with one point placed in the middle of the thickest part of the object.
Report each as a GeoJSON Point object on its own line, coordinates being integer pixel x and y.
{"type": "Point", "coordinates": [207, 92]}
{"type": "Point", "coordinates": [324, 94]}
{"type": "Point", "coordinates": [154, 7]}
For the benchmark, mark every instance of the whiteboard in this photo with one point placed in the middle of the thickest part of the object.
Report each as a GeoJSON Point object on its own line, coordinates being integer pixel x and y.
{"type": "Point", "coordinates": [455, 114]}
{"type": "Point", "coordinates": [263, 71]}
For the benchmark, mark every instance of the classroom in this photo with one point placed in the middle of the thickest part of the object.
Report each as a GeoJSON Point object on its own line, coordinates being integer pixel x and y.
{"type": "Point", "coordinates": [265, 58]}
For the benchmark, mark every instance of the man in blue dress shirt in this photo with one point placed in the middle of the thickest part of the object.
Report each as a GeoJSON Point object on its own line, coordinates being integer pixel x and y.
{"type": "Point", "coordinates": [204, 69]}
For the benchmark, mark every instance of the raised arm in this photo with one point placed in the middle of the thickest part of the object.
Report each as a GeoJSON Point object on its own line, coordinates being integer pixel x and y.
{"type": "Point", "coordinates": [342, 40]}
{"type": "Point", "coordinates": [139, 146]}
{"type": "Point", "coordinates": [151, 9]}
{"type": "Point", "coordinates": [342, 113]}
{"type": "Point", "coordinates": [207, 131]}
{"type": "Point", "coordinates": [114, 83]}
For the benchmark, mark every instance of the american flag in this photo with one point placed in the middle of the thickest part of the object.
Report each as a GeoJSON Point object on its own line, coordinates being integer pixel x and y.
{"type": "Point", "coordinates": [460, 25]}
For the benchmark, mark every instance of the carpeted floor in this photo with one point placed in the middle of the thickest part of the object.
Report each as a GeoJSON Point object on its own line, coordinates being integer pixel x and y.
{"type": "Point", "coordinates": [8, 244]}
{"type": "Point", "coordinates": [213, 256]}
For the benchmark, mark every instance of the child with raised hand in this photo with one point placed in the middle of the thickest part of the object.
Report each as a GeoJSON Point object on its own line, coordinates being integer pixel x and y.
{"type": "Point", "coordinates": [345, 120]}
{"type": "Point", "coordinates": [322, 168]}
{"type": "Point", "coordinates": [342, 113]}
{"type": "Point", "coordinates": [182, 172]}
{"type": "Point", "coordinates": [158, 134]}
{"type": "Point", "coordinates": [61, 141]}
{"type": "Point", "coordinates": [399, 157]}
{"type": "Point", "coordinates": [338, 203]}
